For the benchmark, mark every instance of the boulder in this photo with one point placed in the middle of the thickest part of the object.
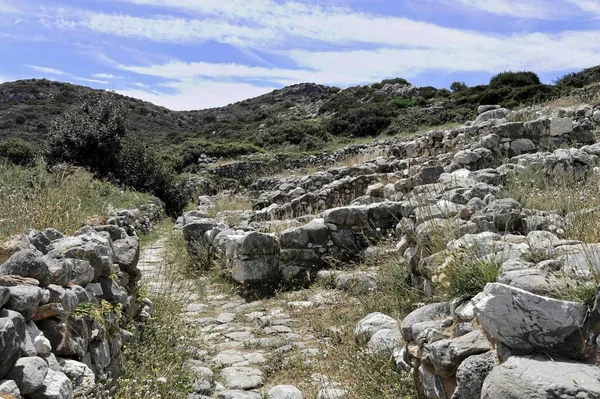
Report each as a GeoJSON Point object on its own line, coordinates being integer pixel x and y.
{"type": "Point", "coordinates": [24, 299]}
{"type": "Point", "coordinates": [496, 113]}
{"type": "Point", "coordinates": [92, 247]}
{"type": "Point", "coordinates": [27, 263]}
{"type": "Point", "coordinates": [370, 324]}
{"type": "Point", "coordinates": [447, 354]}
{"type": "Point", "coordinates": [29, 374]}
{"type": "Point", "coordinates": [12, 245]}
{"type": "Point", "coordinates": [526, 322]}
{"type": "Point", "coordinates": [56, 386]}
{"type": "Point", "coordinates": [560, 126]}
{"type": "Point", "coordinates": [431, 312]}
{"type": "Point", "coordinates": [242, 377]}
{"type": "Point", "coordinates": [127, 253]}
{"type": "Point", "coordinates": [12, 333]}
{"type": "Point", "coordinates": [81, 376]}
{"type": "Point", "coordinates": [471, 374]}
{"type": "Point", "coordinates": [9, 387]}
{"type": "Point", "coordinates": [285, 392]}
{"type": "Point", "coordinates": [541, 377]}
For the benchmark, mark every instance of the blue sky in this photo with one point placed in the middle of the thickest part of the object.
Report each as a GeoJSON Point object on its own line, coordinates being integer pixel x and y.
{"type": "Point", "coordinates": [193, 54]}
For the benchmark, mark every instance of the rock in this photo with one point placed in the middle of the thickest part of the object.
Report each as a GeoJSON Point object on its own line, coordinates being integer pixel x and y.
{"type": "Point", "coordinates": [505, 213]}
{"type": "Point", "coordinates": [236, 394]}
{"type": "Point", "coordinates": [540, 377]}
{"type": "Point", "coordinates": [285, 392]}
{"type": "Point", "coordinates": [385, 341]}
{"type": "Point", "coordinates": [497, 113]}
{"type": "Point", "coordinates": [430, 174]}
{"type": "Point", "coordinates": [12, 333]}
{"type": "Point", "coordinates": [560, 126]}
{"type": "Point", "coordinates": [447, 354]}
{"type": "Point", "coordinates": [596, 116]}
{"type": "Point", "coordinates": [127, 253]}
{"type": "Point", "coordinates": [372, 323]}
{"type": "Point", "coordinates": [431, 312]}
{"type": "Point", "coordinates": [81, 376]}
{"type": "Point", "coordinates": [29, 374]}
{"type": "Point", "coordinates": [9, 387]}
{"type": "Point", "coordinates": [332, 393]}
{"type": "Point", "coordinates": [520, 146]}
{"type": "Point", "coordinates": [27, 263]}
{"type": "Point", "coordinates": [92, 247]}
{"type": "Point", "coordinates": [431, 383]}
{"type": "Point", "coordinates": [484, 108]}
{"type": "Point", "coordinates": [56, 386]}
{"type": "Point", "coordinates": [525, 321]}
{"type": "Point", "coordinates": [113, 292]}
{"type": "Point", "coordinates": [4, 296]}
{"type": "Point", "coordinates": [242, 377]}
{"type": "Point", "coordinates": [11, 246]}
{"type": "Point", "coordinates": [41, 344]}
{"type": "Point", "coordinates": [256, 258]}
{"type": "Point", "coordinates": [466, 157]}
{"type": "Point", "coordinates": [24, 299]}
{"type": "Point", "coordinates": [471, 374]}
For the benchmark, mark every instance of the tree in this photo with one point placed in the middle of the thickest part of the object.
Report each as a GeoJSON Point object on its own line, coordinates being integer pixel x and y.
{"type": "Point", "coordinates": [89, 134]}
{"type": "Point", "coordinates": [514, 79]}
{"type": "Point", "coordinates": [17, 151]}
{"type": "Point", "coordinates": [458, 86]}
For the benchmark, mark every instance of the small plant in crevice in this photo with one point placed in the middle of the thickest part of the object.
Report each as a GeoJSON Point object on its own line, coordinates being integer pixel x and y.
{"type": "Point", "coordinates": [465, 275]}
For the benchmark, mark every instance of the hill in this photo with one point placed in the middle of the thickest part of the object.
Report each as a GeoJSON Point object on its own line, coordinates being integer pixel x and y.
{"type": "Point", "coordinates": [299, 118]}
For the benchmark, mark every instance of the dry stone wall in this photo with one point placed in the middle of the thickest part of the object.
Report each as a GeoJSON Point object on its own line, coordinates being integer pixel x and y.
{"type": "Point", "coordinates": [67, 306]}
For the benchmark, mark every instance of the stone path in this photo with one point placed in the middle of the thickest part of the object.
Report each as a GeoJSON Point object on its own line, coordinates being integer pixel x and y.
{"type": "Point", "coordinates": [247, 349]}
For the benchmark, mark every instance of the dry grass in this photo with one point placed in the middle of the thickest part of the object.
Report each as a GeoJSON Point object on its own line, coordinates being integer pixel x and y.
{"type": "Point", "coordinates": [33, 197]}
{"type": "Point", "coordinates": [155, 364]}
{"type": "Point", "coordinates": [342, 360]}
{"type": "Point", "coordinates": [562, 193]}
{"type": "Point", "coordinates": [230, 202]}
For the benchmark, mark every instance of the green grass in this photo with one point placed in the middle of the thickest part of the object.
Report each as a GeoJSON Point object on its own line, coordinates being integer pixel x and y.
{"type": "Point", "coordinates": [166, 341]}
{"type": "Point", "coordinates": [466, 276]}
{"type": "Point", "coordinates": [562, 193]}
{"type": "Point", "coordinates": [65, 198]}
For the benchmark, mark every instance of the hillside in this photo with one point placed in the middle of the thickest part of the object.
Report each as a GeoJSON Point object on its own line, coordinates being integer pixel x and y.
{"type": "Point", "coordinates": [300, 118]}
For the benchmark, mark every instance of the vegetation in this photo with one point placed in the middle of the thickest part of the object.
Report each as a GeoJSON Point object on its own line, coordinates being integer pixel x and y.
{"type": "Point", "coordinates": [17, 151]}
{"type": "Point", "coordinates": [466, 275]}
{"type": "Point", "coordinates": [575, 193]}
{"type": "Point", "coordinates": [155, 364]}
{"type": "Point", "coordinates": [63, 197]}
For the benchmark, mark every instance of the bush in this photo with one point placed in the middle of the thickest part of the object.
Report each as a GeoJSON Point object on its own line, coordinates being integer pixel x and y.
{"type": "Point", "coordinates": [458, 86]}
{"type": "Point", "coordinates": [17, 151]}
{"type": "Point", "coordinates": [20, 119]}
{"type": "Point", "coordinates": [89, 134]}
{"type": "Point", "coordinates": [466, 276]}
{"type": "Point", "coordinates": [368, 120]}
{"type": "Point", "coordinates": [580, 79]}
{"type": "Point", "coordinates": [514, 79]}
{"type": "Point", "coordinates": [402, 103]}
{"type": "Point", "coordinates": [141, 167]}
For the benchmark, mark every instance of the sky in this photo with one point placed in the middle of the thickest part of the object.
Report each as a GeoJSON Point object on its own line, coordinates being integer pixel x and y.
{"type": "Point", "coordinates": [195, 54]}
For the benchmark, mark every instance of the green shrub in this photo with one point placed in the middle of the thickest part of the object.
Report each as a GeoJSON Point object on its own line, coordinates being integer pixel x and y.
{"type": "Point", "coordinates": [466, 276]}
{"type": "Point", "coordinates": [20, 119]}
{"type": "Point", "coordinates": [368, 120]}
{"type": "Point", "coordinates": [402, 103]}
{"type": "Point", "coordinates": [89, 134]}
{"type": "Point", "coordinates": [458, 86]}
{"type": "Point", "coordinates": [17, 151]}
{"type": "Point", "coordinates": [514, 79]}
{"type": "Point", "coordinates": [142, 168]}
{"type": "Point", "coordinates": [580, 79]}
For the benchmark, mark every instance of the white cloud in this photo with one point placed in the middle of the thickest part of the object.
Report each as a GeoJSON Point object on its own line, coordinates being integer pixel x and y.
{"type": "Point", "coordinates": [103, 82]}
{"type": "Point", "coordinates": [199, 94]}
{"type": "Point", "coordinates": [7, 8]}
{"type": "Point", "coordinates": [590, 6]}
{"type": "Point", "coordinates": [106, 76]}
{"type": "Point", "coordinates": [43, 69]}
{"type": "Point", "coordinates": [524, 9]}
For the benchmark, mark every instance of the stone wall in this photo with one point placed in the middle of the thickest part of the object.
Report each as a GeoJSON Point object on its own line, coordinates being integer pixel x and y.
{"type": "Point", "coordinates": [67, 306]}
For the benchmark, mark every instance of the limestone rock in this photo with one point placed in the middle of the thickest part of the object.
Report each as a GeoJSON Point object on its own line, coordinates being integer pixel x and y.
{"type": "Point", "coordinates": [81, 376]}
{"type": "Point", "coordinates": [242, 377]}
{"type": "Point", "coordinates": [525, 321]}
{"type": "Point", "coordinates": [471, 374]}
{"type": "Point", "coordinates": [447, 354]}
{"type": "Point", "coordinates": [29, 374]}
{"type": "Point", "coordinates": [56, 386]}
{"type": "Point", "coordinates": [539, 377]}
{"type": "Point", "coordinates": [285, 392]}
{"type": "Point", "coordinates": [434, 311]}
{"type": "Point", "coordinates": [370, 324]}
{"type": "Point", "coordinates": [27, 263]}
